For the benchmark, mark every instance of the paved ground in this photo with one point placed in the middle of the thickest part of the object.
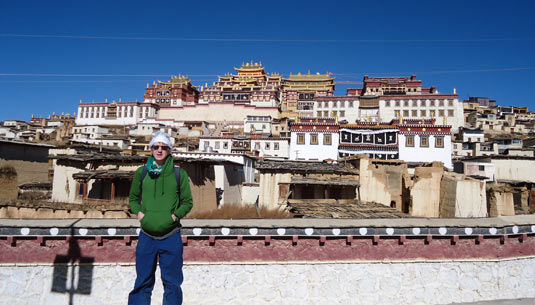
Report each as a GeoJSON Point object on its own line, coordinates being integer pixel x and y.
{"type": "Point", "coordinates": [502, 302]}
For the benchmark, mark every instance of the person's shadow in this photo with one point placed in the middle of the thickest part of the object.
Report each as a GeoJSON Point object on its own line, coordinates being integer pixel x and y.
{"type": "Point", "coordinates": [73, 273]}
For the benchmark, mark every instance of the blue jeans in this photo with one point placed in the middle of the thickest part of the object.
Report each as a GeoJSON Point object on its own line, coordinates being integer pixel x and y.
{"type": "Point", "coordinates": [169, 252]}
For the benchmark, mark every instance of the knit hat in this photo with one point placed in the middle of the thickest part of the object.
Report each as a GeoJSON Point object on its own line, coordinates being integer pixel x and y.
{"type": "Point", "coordinates": [162, 137]}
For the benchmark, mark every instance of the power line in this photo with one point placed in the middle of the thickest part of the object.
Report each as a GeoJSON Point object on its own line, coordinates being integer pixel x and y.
{"type": "Point", "coordinates": [204, 76]}
{"type": "Point", "coordinates": [436, 72]}
{"type": "Point", "coordinates": [98, 75]}
{"type": "Point", "coordinates": [475, 40]}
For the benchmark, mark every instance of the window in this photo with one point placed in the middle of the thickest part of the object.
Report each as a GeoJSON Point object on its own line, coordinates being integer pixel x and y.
{"type": "Point", "coordinates": [423, 113]}
{"type": "Point", "coordinates": [450, 103]}
{"type": "Point", "coordinates": [415, 113]}
{"type": "Point", "coordinates": [410, 141]}
{"type": "Point", "coordinates": [314, 139]}
{"type": "Point", "coordinates": [268, 147]}
{"type": "Point", "coordinates": [334, 113]}
{"type": "Point", "coordinates": [424, 141]}
{"type": "Point", "coordinates": [387, 104]}
{"type": "Point", "coordinates": [450, 113]}
{"type": "Point", "coordinates": [397, 113]}
{"type": "Point", "coordinates": [350, 104]}
{"type": "Point", "coordinates": [342, 113]}
{"type": "Point", "coordinates": [319, 114]}
{"type": "Point", "coordinates": [406, 103]}
{"type": "Point", "coordinates": [482, 168]}
{"type": "Point", "coordinates": [206, 144]}
{"type": "Point", "coordinates": [300, 138]}
{"type": "Point", "coordinates": [414, 103]}
{"type": "Point", "coordinates": [454, 146]}
{"type": "Point", "coordinates": [439, 142]}
{"type": "Point", "coordinates": [257, 146]}
{"type": "Point", "coordinates": [432, 113]}
{"type": "Point", "coordinates": [432, 103]}
{"type": "Point", "coordinates": [325, 114]}
{"type": "Point", "coordinates": [405, 113]}
{"type": "Point", "coordinates": [327, 139]}
{"type": "Point", "coordinates": [276, 146]}
{"type": "Point", "coordinates": [225, 145]}
{"type": "Point", "coordinates": [397, 103]}
{"type": "Point", "coordinates": [441, 103]}
{"type": "Point", "coordinates": [217, 145]}
{"type": "Point", "coordinates": [441, 113]}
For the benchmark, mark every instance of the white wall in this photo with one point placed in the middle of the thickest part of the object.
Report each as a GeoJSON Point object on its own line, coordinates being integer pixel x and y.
{"type": "Point", "coordinates": [214, 112]}
{"type": "Point", "coordinates": [387, 283]}
{"type": "Point", "coordinates": [266, 147]}
{"type": "Point", "coordinates": [388, 108]}
{"type": "Point", "coordinates": [64, 187]}
{"type": "Point", "coordinates": [220, 145]}
{"type": "Point", "coordinates": [318, 151]}
{"type": "Point", "coordinates": [517, 170]}
{"type": "Point", "coordinates": [425, 154]}
{"type": "Point", "coordinates": [343, 109]}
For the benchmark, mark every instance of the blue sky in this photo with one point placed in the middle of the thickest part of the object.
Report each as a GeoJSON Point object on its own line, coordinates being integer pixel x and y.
{"type": "Point", "coordinates": [54, 53]}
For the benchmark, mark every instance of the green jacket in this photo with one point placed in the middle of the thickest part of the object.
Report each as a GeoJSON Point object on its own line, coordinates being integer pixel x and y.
{"type": "Point", "coordinates": [160, 199]}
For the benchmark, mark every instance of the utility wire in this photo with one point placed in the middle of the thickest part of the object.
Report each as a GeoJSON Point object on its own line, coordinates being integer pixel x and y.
{"type": "Point", "coordinates": [204, 76]}
{"type": "Point", "coordinates": [269, 40]}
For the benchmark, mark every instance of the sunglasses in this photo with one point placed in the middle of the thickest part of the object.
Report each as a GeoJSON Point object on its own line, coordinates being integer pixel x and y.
{"type": "Point", "coordinates": [163, 147]}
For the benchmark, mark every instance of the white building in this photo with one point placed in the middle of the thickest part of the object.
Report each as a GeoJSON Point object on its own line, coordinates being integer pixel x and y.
{"type": "Point", "coordinates": [425, 143]}
{"type": "Point", "coordinates": [122, 113]}
{"type": "Point", "coordinates": [472, 135]}
{"type": "Point", "coordinates": [257, 125]}
{"type": "Point", "coordinates": [444, 108]}
{"type": "Point", "coordinates": [377, 140]}
{"type": "Point", "coordinates": [271, 147]}
{"type": "Point", "coordinates": [404, 97]}
{"type": "Point", "coordinates": [7, 133]}
{"type": "Point", "coordinates": [314, 139]}
{"type": "Point", "coordinates": [341, 107]}
{"type": "Point", "coordinates": [215, 144]}
{"type": "Point", "coordinates": [90, 132]}
{"type": "Point", "coordinates": [147, 129]}
{"type": "Point", "coordinates": [16, 124]}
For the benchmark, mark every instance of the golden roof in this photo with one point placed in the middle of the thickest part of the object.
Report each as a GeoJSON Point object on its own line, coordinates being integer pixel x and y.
{"type": "Point", "coordinates": [250, 67]}
{"type": "Point", "coordinates": [176, 80]}
{"type": "Point", "coordinates": [310, 77]}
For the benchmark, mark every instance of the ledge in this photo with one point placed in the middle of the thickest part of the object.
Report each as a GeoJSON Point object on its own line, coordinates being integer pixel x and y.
{"type": "Point", "coordinates": [521, 224]}
{"type": "Point", "coordinates": [275, 240]}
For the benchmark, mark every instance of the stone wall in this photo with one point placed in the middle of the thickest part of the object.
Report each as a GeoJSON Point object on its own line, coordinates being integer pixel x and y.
{"type": "Point", "coordinates": [514, 169]}
{"type": "Point", "coordinates": [28, 171]}
{"type": "Point", "coordinates": [425, 193]}
{"type": "Point", "coordinates": [416, 282]}
{"type": "Point", "coordinates": [8, 183]}
{"type": "Point", "coordinates": [462, 197]}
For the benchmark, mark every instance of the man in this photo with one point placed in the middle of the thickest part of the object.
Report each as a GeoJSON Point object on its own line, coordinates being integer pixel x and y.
{"type": "Point", "coordinates": [163, 203]}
